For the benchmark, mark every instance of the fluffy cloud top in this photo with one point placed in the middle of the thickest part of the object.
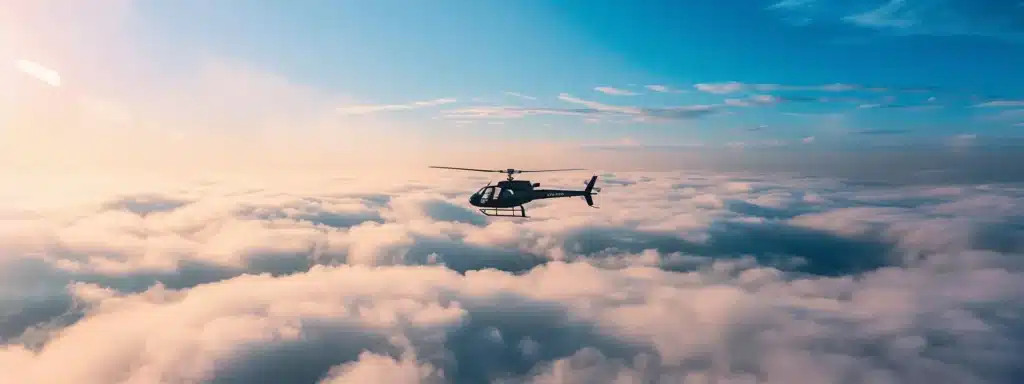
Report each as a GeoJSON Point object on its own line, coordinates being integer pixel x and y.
{"type": "Point", "coordinates": [681, 277]}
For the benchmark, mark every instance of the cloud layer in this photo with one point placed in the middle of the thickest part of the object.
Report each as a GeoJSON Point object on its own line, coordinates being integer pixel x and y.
{"type": "Point", "coordinates": [680, 277]}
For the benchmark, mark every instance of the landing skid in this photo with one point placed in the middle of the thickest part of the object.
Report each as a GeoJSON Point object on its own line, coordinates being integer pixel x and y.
{"type": "Point", "coordinates": [519, 211]}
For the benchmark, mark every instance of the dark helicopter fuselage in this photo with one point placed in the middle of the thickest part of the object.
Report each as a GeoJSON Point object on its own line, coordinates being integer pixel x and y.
{"type": "Point", "coordinates": [515, 193]}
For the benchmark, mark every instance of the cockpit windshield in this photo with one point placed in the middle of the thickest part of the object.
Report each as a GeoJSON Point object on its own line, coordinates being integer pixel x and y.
{"type": "Point", "coordinates": [486, 194]}
{"type": "Point", "coordinates": [493, 193]}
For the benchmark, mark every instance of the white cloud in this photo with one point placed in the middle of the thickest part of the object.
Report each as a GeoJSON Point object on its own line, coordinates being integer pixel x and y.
{"type": "Point", "coordinates": [755, 99]}
{"type": "Point", "coordinates": [510, 112]}
{"type": "Point", "coordinates": [662, 88]}
{"type": "Point", "coordinates": [520, 95]}
{"type": "Point", "coordinates": [764, 99]}
{"type": "Point", "coordinates": [1005, 115]}
{"type": "Point", "coordinates": [39, 72]}
{"type": "Point", "coordinates": [736, 144]}
{"type": "Point", "coordinates": [808, 139]}
{"type": "Point", "coordinates": [1001, 103]}
{"type": "Point", "coordinates": [367, 109]}
{"type": "Point", "coordinates": [645, 114]}
{"type": "Point", "coordinates": [911, 17]}
{"type": "Point", "coordinates": [599, 106]}
{"type": "Point", "coordinates": [720, 88]}
{"type": "Point", "coordinates": [963, 139]}
{"type": "Point", "coordinates": [592, 110]}
{"type": "Point", "coordinates": [308, 278]}
{"type": "Point", "coordinates": [792, 3]}
{"type": "Point", "coordinates": [734, 87]}
{"type": "Point", "coordinates": [615, 91]}
{"type": "Point", "coordinates": [737, 102]}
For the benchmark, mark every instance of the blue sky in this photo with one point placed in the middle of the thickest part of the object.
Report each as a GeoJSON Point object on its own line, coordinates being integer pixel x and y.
{"type": "Point", "coordinates": [394, 52]}
{"type": "Point", "coordinates": [735, 73]}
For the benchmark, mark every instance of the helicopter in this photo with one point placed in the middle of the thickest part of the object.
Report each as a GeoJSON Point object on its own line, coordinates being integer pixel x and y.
{"type": "Point", "coordinates": [507, 198]}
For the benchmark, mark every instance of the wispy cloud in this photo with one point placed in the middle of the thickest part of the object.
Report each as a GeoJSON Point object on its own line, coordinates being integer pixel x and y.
{"type": "Point", "coordinates": [520, 95]}
{"type": "Point", "coordinates": [645, 114]}
{"type": "Point", "coordinates": [615, 91]}
{"type": "Point", "coordinates": [368, 109]}
{"type": "Point", "coordinates": [764, 99]}
{"type": "Point", "coordinates": [837, 87]}
{"type": "Point", "coordinates": [752, 100]}
{"type": "Point", "coordinates": [807, 140]}
{"type": "Point", "coordinates": [662, 88]}
{"type": "Point", "coordinates": [39, 72]}
{"type": "Point", "coordinates": [900, 106]}
{"type": "Point", "coordinates": [1005, 115]}
{"type": "Point", "coordinates": [720, 88]}
{"type": "Point", "coordinates": [815, 115]}
{"type": "Point", "coordinates": [995, 19]}
{"type": "Point", "coordinates": [729, 87]}
{"type": "Point", "coordinates": [590, 109]}
{"type": "Point", "coordinates": [1001, 104]}
{"type": "Point", "coordinates": [601, 107]}
{"type": "Point", "coordinates": [737, 102]}
{"type": "Point", "coordinates": [962, 140]}
{"type": "Point", "coordinates": [881, 131]}
{"type": "Point", "coordinates": [628, 145]}
{"type": "Point", "coordinates": [735, 87]}
{"type": "Point", "coordinates": [512, 112]}
{"type": "Point", "coordinates": [756, 144]}
{"type": "Point", "coordinates": [792, 4]}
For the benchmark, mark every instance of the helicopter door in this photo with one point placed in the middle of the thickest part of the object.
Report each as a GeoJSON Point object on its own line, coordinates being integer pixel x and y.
{"type": "Point", "coordinates": [505, 194]}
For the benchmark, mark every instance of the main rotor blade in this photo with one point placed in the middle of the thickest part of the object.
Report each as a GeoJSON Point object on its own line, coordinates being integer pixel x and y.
{"type": "Point", "coordinates": [553, 170]}
{"type": "Point", "coordinates": [470, 169]}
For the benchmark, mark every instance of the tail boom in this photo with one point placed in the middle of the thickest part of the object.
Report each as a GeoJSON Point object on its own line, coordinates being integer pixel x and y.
{"type": "Point", "coordinates": [587, 194]}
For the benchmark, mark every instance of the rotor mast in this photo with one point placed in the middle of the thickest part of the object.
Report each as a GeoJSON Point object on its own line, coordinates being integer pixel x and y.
{"type": "Point", "coordinates": [510, 172]}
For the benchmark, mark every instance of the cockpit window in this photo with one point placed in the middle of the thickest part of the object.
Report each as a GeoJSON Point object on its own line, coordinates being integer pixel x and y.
{"type": "Point", "coordinates": [487, 194]}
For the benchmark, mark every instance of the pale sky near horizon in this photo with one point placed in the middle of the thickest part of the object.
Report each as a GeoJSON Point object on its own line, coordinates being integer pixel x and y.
{"type": "Point", "coordinates": [279, 85]}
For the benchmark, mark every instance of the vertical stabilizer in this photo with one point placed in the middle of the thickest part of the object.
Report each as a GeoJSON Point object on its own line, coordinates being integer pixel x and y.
{"type": "Point", "coordinates": [590, 185]}
{"type": "Point", "coordinates": [588, 193]}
